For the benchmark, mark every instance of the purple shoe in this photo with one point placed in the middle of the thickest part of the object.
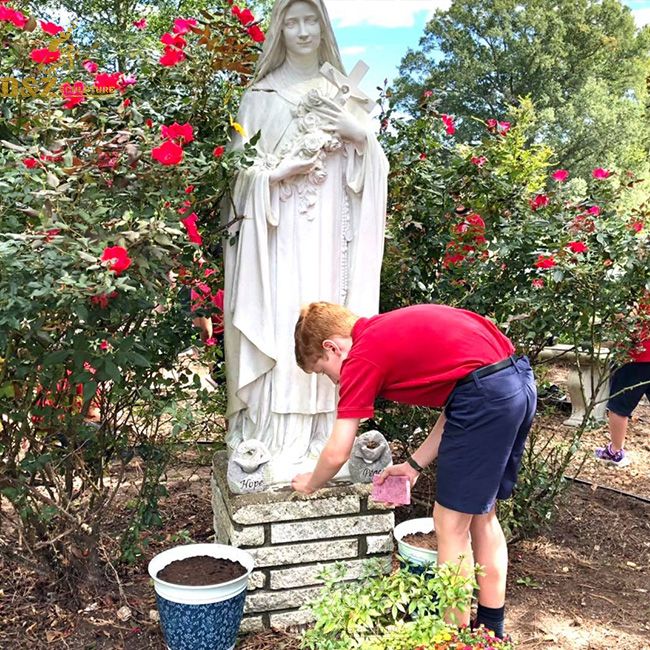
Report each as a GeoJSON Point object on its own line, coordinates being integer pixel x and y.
{"type": "Point", "coordinates": [617, 458]}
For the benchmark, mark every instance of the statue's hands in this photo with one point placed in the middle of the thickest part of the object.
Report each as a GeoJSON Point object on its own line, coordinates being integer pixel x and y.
{"type": "Point", "coordinates": [403, 469]}
{"type": "Point", "coordinates": [300, 483]}
{"type": "Point", "coordinates": [289, 167]}
{"type": "Point", "coordinates": [340, 121]}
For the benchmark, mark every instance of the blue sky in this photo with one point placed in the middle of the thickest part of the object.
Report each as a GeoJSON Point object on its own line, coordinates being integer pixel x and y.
{"type": "Point", "coordinates": [380, 31]}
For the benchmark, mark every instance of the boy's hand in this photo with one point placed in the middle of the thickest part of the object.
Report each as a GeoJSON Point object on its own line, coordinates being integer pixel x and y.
{"type": "Point", "coordinates": [403, 469]}
{"type": "Point", "coordinates": [300, 483]}
{"type": "Point", "coordinates": [205, 326]}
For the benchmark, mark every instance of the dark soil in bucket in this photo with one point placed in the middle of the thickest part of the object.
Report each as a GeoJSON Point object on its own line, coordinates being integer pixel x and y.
{"type": "Point", "coordinates": [422, 540]}
{"type": "Point", "coordinates": [201, 570]}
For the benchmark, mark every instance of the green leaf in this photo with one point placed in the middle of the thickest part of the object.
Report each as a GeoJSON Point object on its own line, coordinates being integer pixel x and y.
{"type": "Point", "coordinates": [139, 360]}
{"type": "Point", "coordinates": [57, 357]}
{"type": "Point", "coordinates": [112, 371]}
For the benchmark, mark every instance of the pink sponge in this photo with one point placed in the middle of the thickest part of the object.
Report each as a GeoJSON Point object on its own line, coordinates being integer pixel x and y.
{"type": "Point", "coordinates": [394, 489]}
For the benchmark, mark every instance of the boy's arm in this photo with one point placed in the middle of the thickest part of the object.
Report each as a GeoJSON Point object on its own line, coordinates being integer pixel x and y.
{"type": "Point", "coordinates": [334, 455]}
{"type": "Point", "coordinates": [425, 454]}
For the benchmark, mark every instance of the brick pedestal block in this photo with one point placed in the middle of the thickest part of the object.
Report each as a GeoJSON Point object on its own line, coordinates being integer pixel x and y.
{"type": "Point", "coordinates": [293, 537]}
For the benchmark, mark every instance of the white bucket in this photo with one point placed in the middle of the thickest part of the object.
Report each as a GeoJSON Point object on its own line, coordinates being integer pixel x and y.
{"type": "Point", "coordinates": [415, 554]}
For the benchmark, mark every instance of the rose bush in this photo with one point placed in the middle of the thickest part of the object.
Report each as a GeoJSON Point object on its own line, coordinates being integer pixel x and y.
{"type": "Point", "coordinates": [493, 227]}
{"type": "Point", "coordinates": [110, 187]}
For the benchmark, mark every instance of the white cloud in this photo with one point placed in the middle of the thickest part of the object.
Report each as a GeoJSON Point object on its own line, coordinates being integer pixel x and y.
{"type": "Point", "coordinates": [352, 50]}
{"type": "Point", "coordinates": [381, 13]}
{"type": "Point", "coordinates": [641, 16]}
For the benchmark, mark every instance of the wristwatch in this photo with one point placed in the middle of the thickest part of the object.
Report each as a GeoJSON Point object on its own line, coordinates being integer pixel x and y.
{"type": "Point", "coordinates": [414, 464]}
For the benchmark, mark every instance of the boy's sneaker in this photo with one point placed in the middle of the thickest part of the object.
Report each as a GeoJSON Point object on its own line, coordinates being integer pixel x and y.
{"type": "Point", "coordinates": [617, 458]}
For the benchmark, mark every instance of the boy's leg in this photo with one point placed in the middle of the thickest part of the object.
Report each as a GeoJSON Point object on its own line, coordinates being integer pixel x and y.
{"type": "Point", "coordinates": [491, 552]}
{"type": "Point", "coordinates": [452, 534]}
{"type": "Point", "coordinates": [617, 430]}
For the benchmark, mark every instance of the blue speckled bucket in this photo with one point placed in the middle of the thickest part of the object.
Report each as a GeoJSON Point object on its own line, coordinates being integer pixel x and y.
{"type": "Point", "coordinates": [205, 617]}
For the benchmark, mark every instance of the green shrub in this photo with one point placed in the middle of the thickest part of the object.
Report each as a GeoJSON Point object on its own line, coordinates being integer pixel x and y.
{"type": "Point", "coordinates": [402, 610]}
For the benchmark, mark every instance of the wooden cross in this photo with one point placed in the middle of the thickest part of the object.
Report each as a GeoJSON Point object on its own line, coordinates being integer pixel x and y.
{"type": "Point", "coordinates": [348, 87]}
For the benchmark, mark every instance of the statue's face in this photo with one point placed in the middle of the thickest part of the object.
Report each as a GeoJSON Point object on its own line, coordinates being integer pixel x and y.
{"type": "Point", "coordinates": [301, 28]}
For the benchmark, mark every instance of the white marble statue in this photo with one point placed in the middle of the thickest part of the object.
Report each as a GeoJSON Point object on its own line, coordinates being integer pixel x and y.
{"type": "Point", "coordinates": [314, 206]}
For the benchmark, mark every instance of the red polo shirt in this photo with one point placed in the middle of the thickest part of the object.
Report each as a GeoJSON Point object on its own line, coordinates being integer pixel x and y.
{"type": "Point", "coordinates": [415, 356]}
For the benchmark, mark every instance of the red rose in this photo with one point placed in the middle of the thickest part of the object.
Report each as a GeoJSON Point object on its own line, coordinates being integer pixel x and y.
{"type": "Point", "coordinates": [218, 151]}
{"type": "Point", "coordinates": [168, 153]}
{"type": "Point", "coordinates": [256, 33]}
{"type": "Point", "coordinates": [577, 247]}
{"type": "Point", "coordinates": [117, 258]}
{"type": "Point", "coordinates": [560, 175]}
{"type": "Point", "coordinates": [102, 299]}
{"type": "Point", "coordinates": [545, 262]}
{"type": "Point", "coordinates": [540, 201]}
{"type": "Point", "coordinates": [30, 162]}
{"type": "Point", "coordinates": [192, 231]}
{"type": "Point", "coordinates": [12, 16]}
{"type": "Point", "coordinates": [171, 57]}
{"type": "Point", "coordinates": [50, 28]}
{"type": "Point", "coordinates": [189, 189]}
{"type": "Point", "coordinates": [448, 121]}
{"type": "Point", "coordinates": [452, 260]}
{"type": "Point", "coordinates": [636, 225]}
{"type": "Point", "coordinates": [107, 81]}
{"type": "Point", "coordinates": [601, 173]}
{"type": "Point", "coordinates": [503, 127]}
{"type": "Point", "coordinates": [126, 103]}
{"type": "Point", "coordinates": [479, 161]}
{"type": "Point", "coordinates": [44, 55]}
{"type": "Point", "coordinates": [244, 16]}
{"type": "Point", "coordinates": [73, 94]}
{"type": "Point", "coordinates": [148, 123]}
{"type": "Point", "coordinates": [594, 209]}
{"type": "Point", "coordinates": [184, 25]}
{"type": "Point", "coordinates": [140, 24]}
{"type": "Point", "coordinates": [175, 131]}
{"type": "Point", "coordinates": [90, 66]}
{"type": "Point", "coordinates": [173, 40]}
{"type": "Point", "coordinates": [491, 123]}
{"type": "Point", "coordinates": [537, 283]}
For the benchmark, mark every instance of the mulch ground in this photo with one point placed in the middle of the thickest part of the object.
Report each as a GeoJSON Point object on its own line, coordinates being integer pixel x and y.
{"type": "Point", "coordinates": [582, 585]}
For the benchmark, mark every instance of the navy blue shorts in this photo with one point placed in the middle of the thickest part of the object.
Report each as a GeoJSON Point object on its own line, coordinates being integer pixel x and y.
{"type": "Point", "coordinates": [488, 420]}
{"type": "Point", "coordinates": [628, 375]}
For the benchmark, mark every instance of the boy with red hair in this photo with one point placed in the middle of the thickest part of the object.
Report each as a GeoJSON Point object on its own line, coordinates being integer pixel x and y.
{"type": "Point", "coordinates": [441, 357]}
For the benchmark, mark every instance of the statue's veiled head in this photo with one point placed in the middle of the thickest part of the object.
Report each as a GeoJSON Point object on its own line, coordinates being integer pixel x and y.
{"type": "Point", "coordinates": [284, 33]}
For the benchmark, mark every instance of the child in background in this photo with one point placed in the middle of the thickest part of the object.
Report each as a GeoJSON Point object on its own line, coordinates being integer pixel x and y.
{"type": "Point", "coordinates": [628, 385]}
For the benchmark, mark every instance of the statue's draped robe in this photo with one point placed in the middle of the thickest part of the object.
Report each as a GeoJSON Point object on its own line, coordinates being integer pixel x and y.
{"type": "Point", "coordinates": [317, 236]}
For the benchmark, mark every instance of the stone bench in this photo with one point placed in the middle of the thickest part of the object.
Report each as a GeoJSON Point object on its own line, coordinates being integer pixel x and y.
{"type": "Point", "coordinates": [594, 375]}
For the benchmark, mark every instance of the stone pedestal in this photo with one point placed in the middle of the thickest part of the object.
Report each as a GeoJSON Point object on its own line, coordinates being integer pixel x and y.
{"type": "Point", "coordinates": [293, 537]}
{"type": "Point", "coordinates": [592, 369]}
{"type": "Point", "coordinates": [582, 393]}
